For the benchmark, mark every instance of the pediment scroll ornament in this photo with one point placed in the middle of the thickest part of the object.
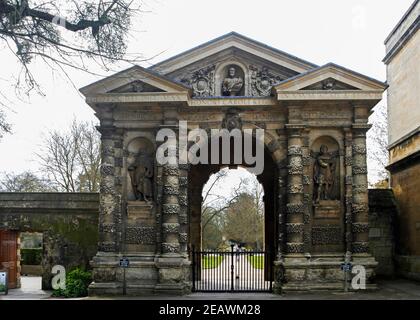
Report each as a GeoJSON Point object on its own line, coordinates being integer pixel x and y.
{"type": "Point", "coordinates": [201, 81]}
{"type": "Point", "coordinates": [262, 80]}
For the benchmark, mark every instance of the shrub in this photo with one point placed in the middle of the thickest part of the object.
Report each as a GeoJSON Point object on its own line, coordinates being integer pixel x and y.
{"type": "Point", "coordinates": [77, 283]}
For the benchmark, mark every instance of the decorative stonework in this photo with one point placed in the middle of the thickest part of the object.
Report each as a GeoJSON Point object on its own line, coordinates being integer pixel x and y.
{"type": "Point", "coordinates": [170, 190]}
{"type": "Point", "coordinates": [169, 170]}
{"type": "Point", "coordinates": [170, 209]}
{"type": "Point", "coordinates": [262, 80]}
{"type": "Point", "coordinates": [294, 150]}
{"type": "Point", "coordinates": [359, 227]}
{"type": "Point", "coordinates": [295, 188]}
{"type": "Point", "coordinates": [360, 247]}
{"type": "Point", "coordinates": [295, 247]}
{"type": "Point", "coordinates": [140, 235]}
{"type": "Point", "coordinates": [232, 120]}
{"type": "Point", "coordinates": [359, 208]}
{"type": "Point", "coordinates": [202, 82]}
{"type": "Point", "coordinates": [295, 208]}
{"type": "Point", "coordinates": [107, 170]}
{"type": "Point", "coordinates": [295, 166]}
{"type": "Point", "coordinates": [170, 247]}
{"type": "Point", "coordinates": [359, 149]}
{"type": "Point", "coordinates": [170, 227]}
{"type": "Point", "coordinates": [359, 170]}
{"type": "Point", "coordinates": [326, 235]}
{"type": "Point", "coordinates": [294, 227]}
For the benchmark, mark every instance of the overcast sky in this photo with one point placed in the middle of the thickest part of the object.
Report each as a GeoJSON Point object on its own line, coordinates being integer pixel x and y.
{"type": "Point", "coordinates": [350, 33]}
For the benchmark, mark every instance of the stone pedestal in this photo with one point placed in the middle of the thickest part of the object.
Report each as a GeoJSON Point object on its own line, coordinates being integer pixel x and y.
{"type": "Point", "coordinates": [320, 272]}
{"type": "Point", "coordinates": [174, 275]}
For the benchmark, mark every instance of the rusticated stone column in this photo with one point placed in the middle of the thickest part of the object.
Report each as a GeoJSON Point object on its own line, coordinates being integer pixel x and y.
{"type": "Point", "coordinates": [170, 209]}
{"type": "Point", "coordinates": [348, 163]}
{"type": "Point", "coordinates": [306, 181]}
{"type": "Point", "coordinates": [172, 263]}
{"type": "Point", "coordinates": [360, 208]}
{"type": "Point", "coordinates": [295, 206]}
{"type": "Point", "coordinates": [110, 213]}
{"type": "Point", "coordinates": [183, 208]}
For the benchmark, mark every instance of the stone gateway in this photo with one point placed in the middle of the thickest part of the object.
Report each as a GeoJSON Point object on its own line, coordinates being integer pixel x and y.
{"type": "Point", "coordinates": [315, 120]}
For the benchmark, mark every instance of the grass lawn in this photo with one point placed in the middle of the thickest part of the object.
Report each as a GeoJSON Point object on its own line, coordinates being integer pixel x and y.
{"type": "Point", "coordinates": [211, 261]}
{"type": "Point", "coordinates": [257, 261]}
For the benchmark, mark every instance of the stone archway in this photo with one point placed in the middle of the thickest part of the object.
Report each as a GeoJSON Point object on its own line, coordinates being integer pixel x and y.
{"type": "Point", "coordinates": [294, 102]}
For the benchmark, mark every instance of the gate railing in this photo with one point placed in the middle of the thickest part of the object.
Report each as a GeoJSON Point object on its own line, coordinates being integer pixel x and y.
{"type": "Point", "coordinates": [231, 271]}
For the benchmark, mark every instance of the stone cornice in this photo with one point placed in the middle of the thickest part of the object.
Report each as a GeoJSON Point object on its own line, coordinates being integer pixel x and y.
{"type": "Point", "coordinates": [329, 95]}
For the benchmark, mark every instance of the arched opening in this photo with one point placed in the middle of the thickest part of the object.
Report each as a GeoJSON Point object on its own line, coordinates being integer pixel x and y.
{"type": "Point", "coordinates": [259, 246]}
{"type": "Point", "coordinates": [232, 211]}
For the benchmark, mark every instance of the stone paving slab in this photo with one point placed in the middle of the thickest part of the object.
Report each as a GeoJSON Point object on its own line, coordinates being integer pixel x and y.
{"type": "Point", "coordinates": [400, 289]}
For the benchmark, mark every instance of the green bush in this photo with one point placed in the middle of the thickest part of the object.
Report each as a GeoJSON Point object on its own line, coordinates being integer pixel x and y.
{"type": "Point", "coordinates": [31, 256]}
{"type": "Point", "coordinates": [77, 283]}
{"type": "Point", "coordinates": [2, 288]}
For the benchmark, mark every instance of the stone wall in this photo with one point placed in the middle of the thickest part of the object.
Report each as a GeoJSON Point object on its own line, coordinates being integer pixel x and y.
{"type": "Point", "coordinates": [68, 221]}
{"type": "Point", "coordinates": [382, 215]}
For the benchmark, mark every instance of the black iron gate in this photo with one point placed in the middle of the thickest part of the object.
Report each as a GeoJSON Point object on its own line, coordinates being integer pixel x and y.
{"type": "Point", "coordinates": [231, 271]}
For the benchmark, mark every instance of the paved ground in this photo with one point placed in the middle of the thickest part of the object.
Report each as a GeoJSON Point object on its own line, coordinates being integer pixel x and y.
{"type": "Point", "coordinates": [388, 289]}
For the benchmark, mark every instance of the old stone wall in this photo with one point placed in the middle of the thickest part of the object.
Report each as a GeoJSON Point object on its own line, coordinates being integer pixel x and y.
{"type": "Point", "coordinates": [68, 221]}
{"type": "Point", "coordinates": [382, 215]}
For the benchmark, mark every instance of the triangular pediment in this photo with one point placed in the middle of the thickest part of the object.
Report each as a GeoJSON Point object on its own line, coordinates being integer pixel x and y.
{"type": "Point", "coordinates": [330, 77]}
{"type": "Point", "coordinates": [134, 80]}
{"type": "Point", "coordinates": [233, 42]}
{"type": "Point", "coordinates": [137, 86]}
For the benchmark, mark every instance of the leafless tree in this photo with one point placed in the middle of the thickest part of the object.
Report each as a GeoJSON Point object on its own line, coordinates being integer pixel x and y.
{"type": "Point", "coordinates": [64, 34]}
{"type": "Point", "coordinates": [23, 182]}
{"type": "Point", "coordinates": [72, 159]}
{"type": "Point", "coordinates": [377, 143]}
{"type": "Point", "coordinates": [215, 204]}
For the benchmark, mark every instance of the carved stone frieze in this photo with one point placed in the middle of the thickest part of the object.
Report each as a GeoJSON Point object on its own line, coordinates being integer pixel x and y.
{"type": "Point", "coordinates": [326, 235]}
{"type": "Point", "coordinates": [140, 235]}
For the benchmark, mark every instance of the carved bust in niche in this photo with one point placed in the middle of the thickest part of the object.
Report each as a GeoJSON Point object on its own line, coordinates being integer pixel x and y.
{"type": "Point", "coordinates": [233, 83]}
{"type": "Point", "coordinates": [141, 176]}
{"type": "Point", "coordinates": [325, 175]}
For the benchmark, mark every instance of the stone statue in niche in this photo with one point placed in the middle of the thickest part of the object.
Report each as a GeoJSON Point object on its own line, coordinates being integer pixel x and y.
{"type": "Point", "coordinates": [232, 84]}
{"type": "Point", "coordinates": [324, 175]}
{"type": "Point", "coordinates": [141, 176]}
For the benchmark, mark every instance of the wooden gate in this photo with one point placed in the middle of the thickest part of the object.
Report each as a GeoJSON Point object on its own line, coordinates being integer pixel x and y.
{"type": "Point", "coordinates": [8, 255]}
